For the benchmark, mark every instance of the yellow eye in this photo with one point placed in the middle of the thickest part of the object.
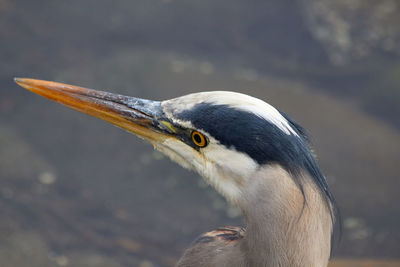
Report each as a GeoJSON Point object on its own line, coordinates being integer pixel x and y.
{"type": "Point", "coordinates": [199, 139]}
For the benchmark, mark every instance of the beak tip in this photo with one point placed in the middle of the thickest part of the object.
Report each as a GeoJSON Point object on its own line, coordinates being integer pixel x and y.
{"type": "Point", "coordinates": [18, 80]}
{"type": "Point", "coordinates": [25, 82]}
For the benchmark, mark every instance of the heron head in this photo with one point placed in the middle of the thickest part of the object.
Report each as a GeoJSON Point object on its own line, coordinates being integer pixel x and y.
{"type": "Point", "coordinates": [225, 136]}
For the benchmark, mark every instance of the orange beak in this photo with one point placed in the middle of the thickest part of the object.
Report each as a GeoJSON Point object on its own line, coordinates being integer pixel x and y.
{"type": "Point", "coordinates": [142, 117]}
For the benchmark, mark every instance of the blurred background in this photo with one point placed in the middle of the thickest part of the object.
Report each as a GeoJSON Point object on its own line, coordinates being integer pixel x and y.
{"type": "Point", "coordinates": [75, 191]}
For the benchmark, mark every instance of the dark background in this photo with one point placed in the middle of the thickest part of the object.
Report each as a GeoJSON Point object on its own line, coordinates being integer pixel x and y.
{"type": "Point", "coordinates": [75, 191]}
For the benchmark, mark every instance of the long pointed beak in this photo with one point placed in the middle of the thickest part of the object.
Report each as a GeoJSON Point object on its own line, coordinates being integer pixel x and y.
{"type": "Point", "coordinates": [139, 116]}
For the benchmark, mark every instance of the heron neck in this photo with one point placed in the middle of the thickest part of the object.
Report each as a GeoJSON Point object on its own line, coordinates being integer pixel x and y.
{"type": "Point", "coordinates": [279, 232]}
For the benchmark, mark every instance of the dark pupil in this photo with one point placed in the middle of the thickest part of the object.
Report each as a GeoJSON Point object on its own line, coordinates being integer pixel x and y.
{"type": "Point", "coordinates": [197, 138]}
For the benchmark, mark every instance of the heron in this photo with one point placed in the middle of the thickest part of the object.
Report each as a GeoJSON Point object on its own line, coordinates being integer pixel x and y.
{"type": "Point", "coordinates": [254, 155]}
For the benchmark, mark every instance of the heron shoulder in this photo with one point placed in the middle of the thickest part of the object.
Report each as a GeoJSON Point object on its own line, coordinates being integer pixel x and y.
{"type": "Point", "coordinates": [210, 247]}
{"type": "Point", "coordinates": [226, 234]}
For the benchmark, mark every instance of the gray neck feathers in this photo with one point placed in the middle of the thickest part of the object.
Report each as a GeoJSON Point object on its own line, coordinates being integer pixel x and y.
{"type": "Point", "coordinates": [280, 230]}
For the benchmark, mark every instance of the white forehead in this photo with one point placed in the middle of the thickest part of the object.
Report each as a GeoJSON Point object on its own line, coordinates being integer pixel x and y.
{"type": "Point", "coordinates": [235, 100]}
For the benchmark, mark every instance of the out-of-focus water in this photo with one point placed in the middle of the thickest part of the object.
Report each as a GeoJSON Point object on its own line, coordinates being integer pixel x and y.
{"type": "Point", "coordinates": [75, 191]}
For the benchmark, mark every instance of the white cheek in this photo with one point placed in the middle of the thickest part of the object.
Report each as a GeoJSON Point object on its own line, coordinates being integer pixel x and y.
{"type": "Point", "coordinates": [228, 171]}
{"type": "Point", "coordinates": [236, 164]}
{"type": "Point", "coordinates": [181, 153]}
